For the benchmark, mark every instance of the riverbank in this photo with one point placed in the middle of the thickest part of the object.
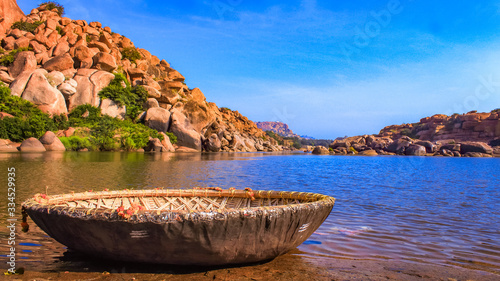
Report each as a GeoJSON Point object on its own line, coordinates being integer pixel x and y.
{"type": "Point", "coordinates": [287, 267]}
{"type": "Point", "coordinates": [390, 213]}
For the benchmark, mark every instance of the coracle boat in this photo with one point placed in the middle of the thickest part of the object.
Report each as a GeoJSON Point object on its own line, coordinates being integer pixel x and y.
{"type": "Point", "coordinates": [203, 226]}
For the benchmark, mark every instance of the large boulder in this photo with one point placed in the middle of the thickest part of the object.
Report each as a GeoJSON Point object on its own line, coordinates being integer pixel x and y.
{"type": "Point", "coordinates": [379, 143]}
{"type": "Point", "coordinates": [199, 114]}
{"type": "Point", "coordinates": [67, 89]}
{"type": "Point", "coordinates": [399, 146]}
{"type": "Point", "coordinates": [82, 55]}
{"type": "Point", "coordinates": [55, 78]}
{"type": "Point", "coordinates": [158, 118]}
{"type": "Point", "coordinates": [8, 146]}
{"type": "Point", "coordinates": [32, 145]}
{"type": "Point", "coordinates": [451, 146]}
{"type": "Point", "coordinates": [59, 63]}
{"type": "Point", "coordinates": [213, 143]}
{"type": "Point", "coordinates": [111, 108]}
{"type": "Point", "coordinates": [368, 152]}
{"type": "Point", "coordinates": [19, 84]}
{"type": "Point", "coordinates": [43, 95]}
{"type": "Point", "coordinates": [60, 49]}
{"type": "Point", "coordinates": [479, 147]}
{"type": "Point", "coordinates": [151, 103]}
{"type": "Point", "coordinates": [320, 150]}
{"type": "Point", "coordinates": [23, 61]}
{"type": "Point", "coordinates": [429, 146]}
{"type": "Point", "coordinates": [9, 13]}
{"type": "Point", "coordinates": [340, 143]}
{"type": "Point", "coordinates": [185, 133]}
{"type": "Point", "coordinates": [5, 77]}
{"type": "Point", "coordinates": [100, 79]}
{"type": "Point", "coordinates": [89, 83]}
{"type": "Point", "coordinates": [415, 150]}
{"type": "Point", "coordinates": [154, 145]}
{"type": "Point", "coordinates": [166, 143]}
{"type": "Point", "coordinates": [84, 90]}
{"type": "Point", "coordinates": [51, 142]}
{"type": "Point", "coordinates": [104, 61]}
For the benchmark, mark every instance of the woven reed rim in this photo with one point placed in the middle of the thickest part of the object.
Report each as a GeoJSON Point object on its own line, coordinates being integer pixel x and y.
{"type": "Point", "coordinates": [44, 203]}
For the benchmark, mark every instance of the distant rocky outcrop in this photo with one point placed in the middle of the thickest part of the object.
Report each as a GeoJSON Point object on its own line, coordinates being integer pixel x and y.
{"type": "Point", "coordinates": [69, 61]}
{"type": "Point", "coordinates": [278, 128]}
{"type": "Point", "coordinates": [375, 145]}
{"type": "Point", "coordinates": [469, 135]}
{"type": "Point", "coordinates": [472, 126]}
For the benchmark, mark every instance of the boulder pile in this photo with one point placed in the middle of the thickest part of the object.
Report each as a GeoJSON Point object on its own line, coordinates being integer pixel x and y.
{"type": "Point", "coordinates": [67, 62]}
{"type": "Point", "coordinates": [377, 145]}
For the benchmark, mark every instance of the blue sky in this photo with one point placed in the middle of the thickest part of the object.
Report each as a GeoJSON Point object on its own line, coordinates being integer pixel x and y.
{"type": "Point", "coordinates": [327, 68]}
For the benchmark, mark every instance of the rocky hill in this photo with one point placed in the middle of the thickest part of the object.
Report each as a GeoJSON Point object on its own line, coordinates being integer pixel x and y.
{"type": "Point", "coordinates": [472, 134]}
{"type": "Point", "coordinates": [278, 128]}
{"type": "Point", "coordinates": [59, 64]}
{"type": "Point", "coordinates": [472, 126]}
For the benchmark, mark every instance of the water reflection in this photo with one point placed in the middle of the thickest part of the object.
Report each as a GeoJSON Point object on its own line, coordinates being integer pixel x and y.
{"type": "Point", "coordinates": [430, 210]}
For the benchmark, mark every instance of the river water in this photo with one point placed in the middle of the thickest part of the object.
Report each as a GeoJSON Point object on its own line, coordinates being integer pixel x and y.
{"type": "Point", "coordinates": [430, 210]}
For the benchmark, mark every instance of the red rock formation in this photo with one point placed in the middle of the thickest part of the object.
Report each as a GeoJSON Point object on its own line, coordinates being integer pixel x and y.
{"type": "Point", "coordinates": [9, 13]}
{"type": "Point", "coordinates": [471, 126]}
{"type": "Point", "coordinates": [72, 60]}
{"type": "Point", "coordinates": [278, 128]}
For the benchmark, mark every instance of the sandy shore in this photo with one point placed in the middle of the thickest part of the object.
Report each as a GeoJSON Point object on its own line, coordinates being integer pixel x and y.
{"type": "Point", "coordinates": [287, 267]}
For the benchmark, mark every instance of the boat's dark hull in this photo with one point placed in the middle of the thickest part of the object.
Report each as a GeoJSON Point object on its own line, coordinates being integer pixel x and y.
{"type": "Point", "coordinates": [202, 238]}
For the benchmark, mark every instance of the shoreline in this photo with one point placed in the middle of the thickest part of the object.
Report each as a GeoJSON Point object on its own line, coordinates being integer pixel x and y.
{"type": "Point", "coordinates": [286, 267]}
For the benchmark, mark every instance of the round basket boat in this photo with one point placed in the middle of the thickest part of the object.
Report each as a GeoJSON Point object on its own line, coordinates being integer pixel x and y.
{"type": "Point", "coordinates": [206, 226]}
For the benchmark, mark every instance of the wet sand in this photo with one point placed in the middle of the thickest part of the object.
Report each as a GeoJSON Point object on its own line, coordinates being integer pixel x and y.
{"type": "Point", "coordinates": [287, 267]}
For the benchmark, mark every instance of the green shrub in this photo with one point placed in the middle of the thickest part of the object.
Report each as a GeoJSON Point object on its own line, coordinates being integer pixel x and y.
{"type": "Point", "coordinates": [76, 143]}
{"type": "Point", "coordinates": [60, 30]}
{"type": "Point", "coordinates": [106, 133]}
{"type": "Point", "coordinates": [131, 54]}
{"type": "Point", "coordinates": [27, 121]}
{"type": "Point", "coordinates": [8, 59]}
{"type": "Point", "coordinates": [84, 115]}
{"type": "Point", "coordinates": [51, 5]}
{"type": "Point", "coordinates": [88, 38]}
{"type": "Point", "coordinates": [171, 136]}
{"type": "Point", "coordinates": [131, 97]}
{"type": "Point", "coordinates": [26, 26]}
{"type": "Point", "coordinates": [409, 133]}
{"type": "Point", "coordinates": [103, 134]}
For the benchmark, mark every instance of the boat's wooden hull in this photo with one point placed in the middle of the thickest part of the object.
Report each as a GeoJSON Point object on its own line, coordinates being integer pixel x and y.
{"type": "Point", "coordinates": [192, 238]}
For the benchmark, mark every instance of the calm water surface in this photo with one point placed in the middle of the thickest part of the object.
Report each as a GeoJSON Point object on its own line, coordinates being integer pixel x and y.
{"type": "Point", "coordinates": [420, 209]}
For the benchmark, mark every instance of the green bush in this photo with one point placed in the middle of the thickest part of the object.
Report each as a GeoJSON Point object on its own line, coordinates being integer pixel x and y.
{"type": "Point", "coordinates": [106, 133]}
{"type": "Point", "coordinates": [409, 133]}
{"type": "Point", "coordinates": [131, 54]}
{"type": "Point", "coordinates": [27, 121]}
{"type": "Point", "coordinates": [51, 5]}
{"type": "Point", "coordinates": [84, 115]}
{"type": "Point", "coordinates": [8, 59]}
{"type": "Point", "coordinates": [60, 30]}
{"type": "Point", "coordinates": [275, 136]}
{"type": "Point", "coordinates": [76, 143]}
{"type": "Point", "coordinates": [26, 26]}
{"type": "Point", "coordinates": [102, 135]}
{"type": "Point", "coordinates": [171, 136]}
{"type": "Point", "coordinates": [131, 97]}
